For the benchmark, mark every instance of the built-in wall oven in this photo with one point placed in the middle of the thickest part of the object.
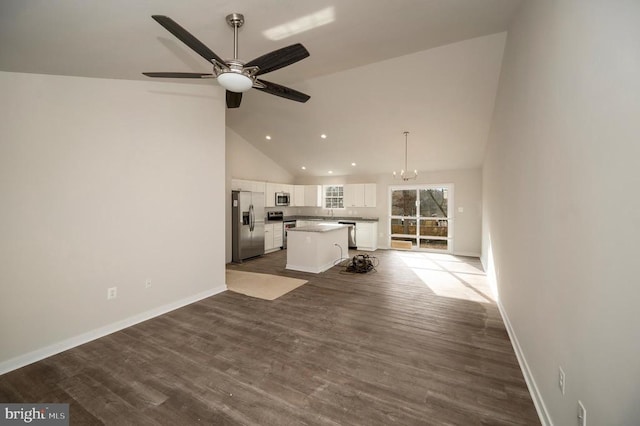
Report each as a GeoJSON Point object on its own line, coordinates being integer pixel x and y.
{"type": "Point", "coordinates": [287, 224]}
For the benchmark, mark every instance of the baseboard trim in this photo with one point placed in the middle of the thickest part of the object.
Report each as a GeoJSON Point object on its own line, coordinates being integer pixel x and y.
{"type": "Point", "coordinates": [312, 270]}
{"type": "Point", "coordinates": [466, 254]}
{"type": "Point", "coordinates": [47, 351]}
{"type": "Point", "coordinates": [543, 414]}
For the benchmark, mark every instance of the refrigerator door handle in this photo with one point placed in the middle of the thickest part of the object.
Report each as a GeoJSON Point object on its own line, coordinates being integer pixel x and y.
{"type": "Point", "coordinates": [252, 220]}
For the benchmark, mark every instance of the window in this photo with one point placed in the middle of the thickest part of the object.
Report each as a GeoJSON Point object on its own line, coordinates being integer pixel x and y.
{"type": "Point", "coordinates": [420, 217]}
{"type": "Point", "coordinates": [333, 197]}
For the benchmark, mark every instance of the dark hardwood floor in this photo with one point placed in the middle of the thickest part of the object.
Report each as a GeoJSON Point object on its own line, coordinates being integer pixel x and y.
{"type": "Point", "coordinates": [418, 342]}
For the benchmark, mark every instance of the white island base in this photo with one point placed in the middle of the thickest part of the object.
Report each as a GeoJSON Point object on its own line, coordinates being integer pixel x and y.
{"type": "Point", "coordinates": [316, 248]}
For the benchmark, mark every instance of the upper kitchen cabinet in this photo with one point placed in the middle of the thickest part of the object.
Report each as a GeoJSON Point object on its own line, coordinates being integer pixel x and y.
{"type": "Point", "coordinates": [360, 195]}
{"type": "Point", "coordinates": [270, 194]}
{"type": "Point", "coordinates": [240, 185]}
{"type": "Point", "coordinates": [297, 196]}
{"type": "Point", "coordinates": [247, 185]}
{"type": "Point", "coordinates": [288, 189]}
{"type": "Point", "coordinates": [370, 190]}
{"type": "Point", "coordinates": [354, 195]}
{"type": "Point", "coordinates": [313, 196]}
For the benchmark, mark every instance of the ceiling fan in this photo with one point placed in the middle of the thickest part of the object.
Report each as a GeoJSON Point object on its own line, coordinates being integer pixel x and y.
{"type": "Point", "coordinates": [233, 74]}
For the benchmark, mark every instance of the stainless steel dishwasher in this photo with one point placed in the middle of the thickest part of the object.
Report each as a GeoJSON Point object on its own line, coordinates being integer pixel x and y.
{"type": "Point", "coordinates": [352, 232]}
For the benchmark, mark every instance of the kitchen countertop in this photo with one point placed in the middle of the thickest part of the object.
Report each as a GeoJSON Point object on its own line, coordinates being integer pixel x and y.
{"type": "Point", "coordinates": [318, 228]}
{"type": "Point", "coordinates": [333, 218]}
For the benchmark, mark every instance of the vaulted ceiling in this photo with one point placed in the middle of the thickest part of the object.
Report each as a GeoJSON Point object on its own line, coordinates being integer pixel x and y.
{"type": "Point", "coordinates": [377, 68]}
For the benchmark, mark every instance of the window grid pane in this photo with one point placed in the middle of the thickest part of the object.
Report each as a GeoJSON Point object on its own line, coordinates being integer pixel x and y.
{"type": "Point", "coordinates": [333, 197]}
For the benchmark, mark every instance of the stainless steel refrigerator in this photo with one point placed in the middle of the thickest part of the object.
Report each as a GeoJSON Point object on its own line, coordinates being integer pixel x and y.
{"type": "Point", "coordinates": [247, 224]}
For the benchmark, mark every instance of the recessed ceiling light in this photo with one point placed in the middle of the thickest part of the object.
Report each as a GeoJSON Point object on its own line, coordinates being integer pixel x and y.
{"type": "Point", "coordinates": [268, 137]}
{"type": "Point", "coordinates": [303, 168]}
{"type": "Point", "coordinates": [330, 171]}
{"type": "Point", "coordinates": [323, 136]}
{"type": "Point", "coordinates": [353, 164]}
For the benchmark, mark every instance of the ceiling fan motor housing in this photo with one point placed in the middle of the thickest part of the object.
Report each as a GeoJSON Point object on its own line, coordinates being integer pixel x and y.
{"type": "Point", "coordinates": [235, 20]}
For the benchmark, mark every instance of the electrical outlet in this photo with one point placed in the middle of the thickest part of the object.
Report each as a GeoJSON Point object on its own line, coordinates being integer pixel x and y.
{"type": "Point", "coordinates": [561, 379]}
{"type": "Point", "coordinates": [147, 284]}
{"type": "Point", "coordinates": [112, 293]}
{"type": "Point", "coordinates": [582, 414]}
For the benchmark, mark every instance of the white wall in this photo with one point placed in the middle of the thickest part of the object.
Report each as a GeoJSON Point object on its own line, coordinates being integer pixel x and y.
{"type": "Point", "coordinates": [244, 161]}
{"type": "Point", "coordinates": [104, 183]}
{"type": "Point", "coordinates": [560, 206]}
{"type": "Point", "coordinates": [467, 194]}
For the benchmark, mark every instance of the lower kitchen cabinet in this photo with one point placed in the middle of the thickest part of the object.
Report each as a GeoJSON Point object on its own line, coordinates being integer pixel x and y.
{"type": "Point", "coordinates": [272, 236]}
{"type": "Point", "coordinates": [367, 236]}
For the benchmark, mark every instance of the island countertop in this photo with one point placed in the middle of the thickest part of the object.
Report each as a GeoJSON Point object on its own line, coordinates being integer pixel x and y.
{"type": "Point", "coordinates": [321, 227]}
{"type": "Point", "coordinates": [332, 218]}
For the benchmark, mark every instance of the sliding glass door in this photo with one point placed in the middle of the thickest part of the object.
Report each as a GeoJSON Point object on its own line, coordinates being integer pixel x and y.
{"type": "Point", "coordinates": [420, 218]}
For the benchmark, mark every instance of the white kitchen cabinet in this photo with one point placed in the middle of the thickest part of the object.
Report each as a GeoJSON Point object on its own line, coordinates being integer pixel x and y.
{"type": "Point", "coordinates": [268, 237]}
{"type": "Point", "coordinates": [370, 191]}
{"type": "Point", "coordinates": [367, 236]}
{"type": "Point", "coordinates": [270, 194]}
{"type": "Point", "coordinates": [247, 185]}
{"type": "Point", "coordinates": [297, 196]}
{"type": "Point", "coordinates": [313, 196]}
{"type": "Point", "coordinates": [272, 236]}
{"type": "Point", "coordinates": [240, 185]}
{"type": "Point", "coordinates": [360, 195]}
{"type": "Point", "coordinates": [285, 187]}
{"type": "Point", "coordinates": [354, 195]}
{"type": "Point", "coordinates": [277, 235]}
{"type": "Point", "coordinates": [257, 186]}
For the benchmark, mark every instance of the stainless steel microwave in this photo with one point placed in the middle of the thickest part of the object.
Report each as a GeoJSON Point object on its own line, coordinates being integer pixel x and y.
{"type": "Point", "coordinates": [282, 198]}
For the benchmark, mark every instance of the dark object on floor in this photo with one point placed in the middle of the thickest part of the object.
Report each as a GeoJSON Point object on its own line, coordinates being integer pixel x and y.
{"type": "Point", "coordinates": [362, 263]}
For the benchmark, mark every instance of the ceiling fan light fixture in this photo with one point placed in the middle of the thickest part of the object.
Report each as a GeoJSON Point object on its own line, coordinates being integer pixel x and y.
{"type": "Point", "coordinates": [235, 81]}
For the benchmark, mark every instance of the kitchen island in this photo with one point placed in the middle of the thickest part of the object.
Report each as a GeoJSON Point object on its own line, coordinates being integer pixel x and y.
{"type": "Point", "coordinates": [315, 248]}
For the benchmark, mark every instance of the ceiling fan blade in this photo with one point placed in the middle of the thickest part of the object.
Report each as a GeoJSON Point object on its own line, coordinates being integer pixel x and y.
{"type": "Point", "coordinates": [279, 58]}
{"type": "Point", "coordinates": [187, 38]}
{"type": "Point", "coordinates": [283, 92]}
{"type": "Point", "coordinates": [177, 75]}
{"type": "Point", "coordinates": [233, 99]}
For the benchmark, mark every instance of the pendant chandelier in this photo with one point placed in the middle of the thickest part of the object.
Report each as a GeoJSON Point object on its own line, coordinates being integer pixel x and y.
{"type": "Point", "coordinates": [404, 175]}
